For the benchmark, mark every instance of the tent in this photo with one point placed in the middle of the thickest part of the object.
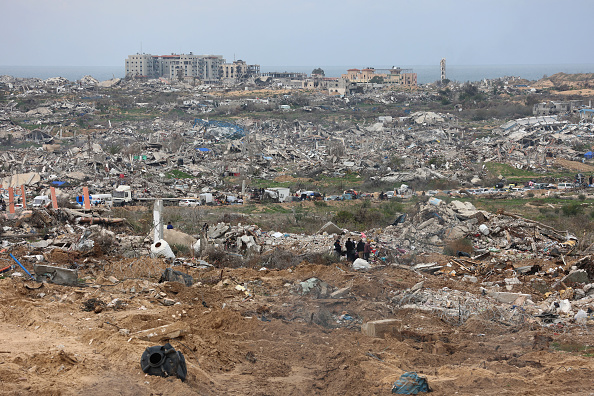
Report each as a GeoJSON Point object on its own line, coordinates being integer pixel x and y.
{"type": "Point", "coordinates": [589, 155]}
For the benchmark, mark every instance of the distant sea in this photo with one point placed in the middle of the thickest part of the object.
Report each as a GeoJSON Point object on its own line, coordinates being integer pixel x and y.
{"type": "Point", "coordinates": [425, 73]}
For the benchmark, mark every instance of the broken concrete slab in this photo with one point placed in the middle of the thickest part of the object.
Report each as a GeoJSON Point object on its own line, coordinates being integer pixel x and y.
{"type": "Point", "coordinates": [577, 276]}
{"type": "Point", "coordinates": [330, 228]}
{"type": "Point", "coordinates": [507, 297]}
{"type": "Point", "coordinates": [57, 275]}
{"type": "Point", "coordinates": [340, 292]}
{"type": "Point", "coordinates": [171, 275]}
{"type": "Point", "coordinates": [218, 231]}
{"type": "Point", "coordinates": [163, 333]}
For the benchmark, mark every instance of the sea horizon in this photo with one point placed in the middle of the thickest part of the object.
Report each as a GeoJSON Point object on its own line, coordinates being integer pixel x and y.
{"type": "Point", "coordinates": [425, 73]}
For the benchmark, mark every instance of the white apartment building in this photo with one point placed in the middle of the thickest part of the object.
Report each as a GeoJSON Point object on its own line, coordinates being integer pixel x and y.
{"type": "Point", "coordinates": [207, 68]}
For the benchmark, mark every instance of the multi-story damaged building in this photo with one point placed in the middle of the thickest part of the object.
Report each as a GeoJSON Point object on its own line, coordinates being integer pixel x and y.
{"type": "Point", "coordinates": [238, 70]}
{"type": "Point", "coordinates": [550, 107]}
{"type": "Point", "coordinates": [207, 68]}
{"type": "Point", "coordinates": [394, 76]}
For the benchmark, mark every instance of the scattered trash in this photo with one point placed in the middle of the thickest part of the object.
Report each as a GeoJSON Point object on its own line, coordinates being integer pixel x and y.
{"type": "Point", "coordinates": [360, 264]}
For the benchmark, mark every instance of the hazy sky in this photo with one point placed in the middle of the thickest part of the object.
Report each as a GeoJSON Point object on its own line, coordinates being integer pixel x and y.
{"type": "Point", "coordinates": [299, 32]}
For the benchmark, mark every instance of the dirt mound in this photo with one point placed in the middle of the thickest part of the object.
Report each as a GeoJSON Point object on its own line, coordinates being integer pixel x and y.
{"type": "Point", "coordinates": [574, 165]}
{"type": "Point", "coordinates": [250, 332]}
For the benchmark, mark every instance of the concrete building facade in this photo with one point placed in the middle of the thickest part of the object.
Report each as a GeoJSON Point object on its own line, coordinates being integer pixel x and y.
{"type": "Point", "coordinates": [548, 108]}
{"type": "Point", "coordinates": [394, 76]}
{"type": "Point", "coordinates": [207, 68]}
{"type": "Point", "coordinates": [238, 70]}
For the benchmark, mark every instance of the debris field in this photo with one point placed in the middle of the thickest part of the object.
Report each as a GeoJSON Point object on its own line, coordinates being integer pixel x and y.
{"type": "Point", "coordinates": [487, 323]}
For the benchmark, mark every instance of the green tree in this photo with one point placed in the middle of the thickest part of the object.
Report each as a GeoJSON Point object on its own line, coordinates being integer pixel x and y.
{"type": "Point", "coordinates": [319, 71]}
{"type": "Point", "coordinates": [377, 80]}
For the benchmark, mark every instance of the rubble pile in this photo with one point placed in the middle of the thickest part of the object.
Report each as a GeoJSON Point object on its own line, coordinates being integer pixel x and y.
{"type": "Point", "coordinates": [437, 222]}
{"type": "Point", "coordinates": [143, 153]}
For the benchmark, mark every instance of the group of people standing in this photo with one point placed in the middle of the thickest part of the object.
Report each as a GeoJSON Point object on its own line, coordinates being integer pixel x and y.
{"type": "Point", "coordinates": [361, 249]}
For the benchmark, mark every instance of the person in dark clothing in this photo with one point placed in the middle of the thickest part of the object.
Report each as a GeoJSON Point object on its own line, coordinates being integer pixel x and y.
{"type": "Point", "coordinates": [360, 248]}
{"type": "Point", "coordinates": [169, 226]}
{"type": "Point", "coordinates": [338, 248]}
{"type": "Point", "coordinates": [367, 251]}
{"type": "Point", "coordinates": [350, 249]}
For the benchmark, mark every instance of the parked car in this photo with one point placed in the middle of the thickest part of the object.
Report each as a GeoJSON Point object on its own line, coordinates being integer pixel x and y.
{"type": "Point", "coordinates": [189, 202]}
{"type": "Point", "coordinates": [565, 186]}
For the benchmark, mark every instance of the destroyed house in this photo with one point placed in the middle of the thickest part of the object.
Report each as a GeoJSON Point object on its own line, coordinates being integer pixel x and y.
{"type": "Point", "coordinates": [548, 108]}
{"type": "Point", "coordinates": [393, 76]}
{"type": "Point", "coordinates": [39, 136]}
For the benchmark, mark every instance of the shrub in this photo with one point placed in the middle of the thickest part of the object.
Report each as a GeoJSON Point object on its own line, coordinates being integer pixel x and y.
{"type": "Point", "coordinates": [572, 209]}
{"type": "Point", "coordinates": [220, 258]}
{"type": "Point", "coordinates": [343, 216]}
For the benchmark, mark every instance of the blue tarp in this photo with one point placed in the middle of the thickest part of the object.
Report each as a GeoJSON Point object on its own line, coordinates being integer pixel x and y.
{"type": "Point", "coordinates": [589, 155]}
{"type": "Point", "coordinates": [410, 384]}
{"type": "Point", "coordinates": [203, 149]}
{"type": "Point", "coordinates": [58, 183]}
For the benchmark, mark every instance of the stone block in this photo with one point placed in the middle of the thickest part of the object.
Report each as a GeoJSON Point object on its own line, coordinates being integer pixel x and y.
{"type": "Point", "coordinates": [508, 298]}
{"type": "Point", "coordinates": [379, 328]}
{"type": "Point", "coordinates": [163, 333]}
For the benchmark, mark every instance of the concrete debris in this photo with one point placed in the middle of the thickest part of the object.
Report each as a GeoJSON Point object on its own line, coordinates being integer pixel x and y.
{"type": "Point", "coordinates": [57, 275]}
{"type": "Point", "coordinates": [379, 328]}
{"type": "Point", "coordinates": [577, 276]}
{"type": "Point", "coordinates": [330, 228]}
{"type": "Point", "coordinates": [314, 287]}
{"type": "Point", "coordinates": [163, 333]}
{"type": "Point", "coordinates": [60, 137]}
{"type": "Point", "coordinates": [171, 275]}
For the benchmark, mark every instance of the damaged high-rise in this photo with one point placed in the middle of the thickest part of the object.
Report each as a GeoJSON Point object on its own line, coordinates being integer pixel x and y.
{"type": "Point", "coordinates": [208, 68]}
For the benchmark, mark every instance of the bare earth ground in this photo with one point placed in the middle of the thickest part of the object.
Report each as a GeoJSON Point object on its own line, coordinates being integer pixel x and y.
{"type": "Point", "coordinates": [276, 341]}
{"type": "Point", "coordinates": [574, 165]}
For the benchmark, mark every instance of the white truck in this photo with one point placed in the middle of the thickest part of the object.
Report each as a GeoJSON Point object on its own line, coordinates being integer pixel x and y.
{"type": "Point", "coordinates": [122, 196]}
{"type": "Point", "coordinates": [206, 198]}
{"type": "Point", "coordinates": [41, 201]}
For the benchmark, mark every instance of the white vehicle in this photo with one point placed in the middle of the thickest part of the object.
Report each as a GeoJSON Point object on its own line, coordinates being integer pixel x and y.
{"type": "Point", "coordinates": [122, 196]}
{"type": "Point", "coordinates": [189, 202]}
{"type": "Point", "coordinates": [565, 186]}
{"type": "Point", "coordinates": [206, 198]}
{"type": "Point", "coordinates": [404, 191]}
{"type": "Point", "coordinates": [279, 194]}
{"type": "Point", "coordinates": [41, 201]}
